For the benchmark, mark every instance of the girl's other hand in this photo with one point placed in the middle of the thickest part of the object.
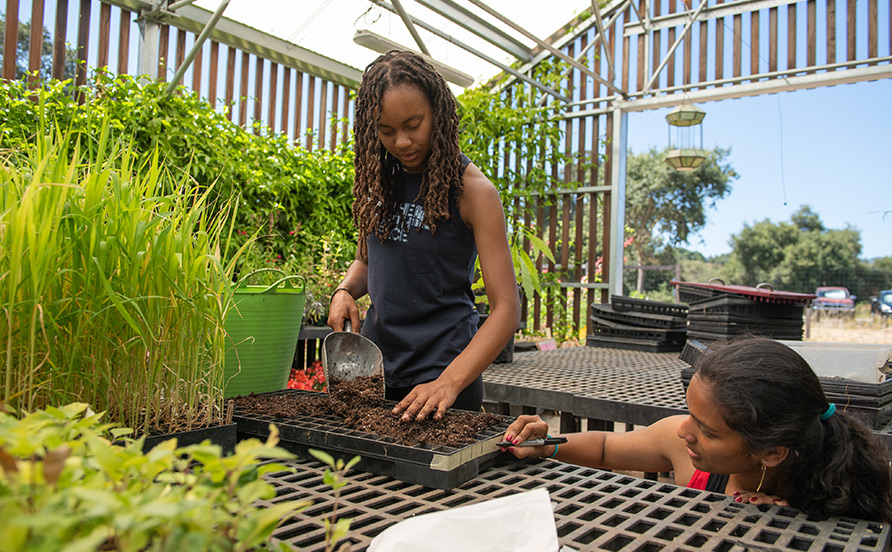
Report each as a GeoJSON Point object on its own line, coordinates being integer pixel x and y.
{"type": "Point", "coordinates": [525, 428]}
{"type": "Point", "coordinates": [752, 497]}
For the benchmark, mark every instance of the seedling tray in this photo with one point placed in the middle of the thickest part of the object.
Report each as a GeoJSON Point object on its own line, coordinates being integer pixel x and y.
{"type": "Point", "coordinates": [436, 466]}
{"type": "Point", "coordinates": [614, 329]}
{"type": "Point", "coordinates": [740, 306]}
{"type": "Point", "coordinates": [725, 335]}
{"type": "Point", "coordinates": [629, 344]}
{"type": "Point", "coordinates": [632, 318]}
{"type": "Point", "coordinates": [696, 292]}
{"type": "Point", "coordinates": [630, 304]}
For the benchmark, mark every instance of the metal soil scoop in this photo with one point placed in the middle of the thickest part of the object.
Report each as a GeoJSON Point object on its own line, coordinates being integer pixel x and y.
{"type": "Point", "coordinates": [347, 356]}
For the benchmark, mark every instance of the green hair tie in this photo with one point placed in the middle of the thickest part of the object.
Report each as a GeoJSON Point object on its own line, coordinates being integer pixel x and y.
{"type": "Point", "coordinates": [829, 412]}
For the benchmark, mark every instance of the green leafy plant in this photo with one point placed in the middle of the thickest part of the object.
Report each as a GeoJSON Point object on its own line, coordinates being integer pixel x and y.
{"type": "Point", "coordinates": [112, 287]}
{"type": "Point", "coordinates": [335, 529]}
{"type": "Point", "coordinates": [288, 196]}
{"type": "Point", "coordinates": [65, 486]}
{"type": "Point", "coordinates": [500, 136]}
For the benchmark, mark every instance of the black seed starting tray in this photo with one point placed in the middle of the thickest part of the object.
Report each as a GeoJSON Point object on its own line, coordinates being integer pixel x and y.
{"type": "Point", "coordinates": [631, 318]}
{"type": "Point", "coordinates": [436, 466]}
{"type": "Point", "coordinates": [631, 304]}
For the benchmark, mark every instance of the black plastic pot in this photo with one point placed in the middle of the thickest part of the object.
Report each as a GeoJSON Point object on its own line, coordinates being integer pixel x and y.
{"type": "Point", "coordinates": [223, 435]}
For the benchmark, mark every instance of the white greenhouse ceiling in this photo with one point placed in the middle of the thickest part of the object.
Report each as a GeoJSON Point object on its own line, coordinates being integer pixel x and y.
{"type": "Point", "coordinates": [446, 28]}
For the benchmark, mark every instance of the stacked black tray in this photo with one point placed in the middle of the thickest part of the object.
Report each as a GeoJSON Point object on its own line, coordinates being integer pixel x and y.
{"type": "Point", "coordinates": [718, 311]}
{"type": "Point", "coordinates": [871, 403]}
{"type": "Point", "coordinates": [638, 324]}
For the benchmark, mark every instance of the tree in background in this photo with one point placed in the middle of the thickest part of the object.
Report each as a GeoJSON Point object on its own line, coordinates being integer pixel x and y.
{"type": "Point", "coordinates": [799, 255]}
{"type": "Point", "coordinates": [664, 206]}
{"type": "Point", "coordinates": [23, 45]}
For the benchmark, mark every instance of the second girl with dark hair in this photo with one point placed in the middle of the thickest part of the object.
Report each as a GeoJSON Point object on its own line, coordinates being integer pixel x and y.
{"type": "Point", "coordinates": [759, 428]}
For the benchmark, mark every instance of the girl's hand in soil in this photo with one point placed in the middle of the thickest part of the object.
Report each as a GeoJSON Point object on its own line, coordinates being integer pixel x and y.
{"type": "Point", "coordinates": [428, 398]}
{"type": "Point", "coordinates": [752, 497]}
{"type": "Point", "coordinates": [524, 428]}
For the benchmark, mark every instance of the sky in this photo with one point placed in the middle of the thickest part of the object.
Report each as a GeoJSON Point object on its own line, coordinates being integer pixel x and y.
{"type": "Point", "coordinates": [827, 148]}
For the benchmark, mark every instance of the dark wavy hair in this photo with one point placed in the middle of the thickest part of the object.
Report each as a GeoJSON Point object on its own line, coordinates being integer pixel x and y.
{"type": "Point", "coordinates": [376, 186]}
{"type": "Point", "coordinates": [770, 396]}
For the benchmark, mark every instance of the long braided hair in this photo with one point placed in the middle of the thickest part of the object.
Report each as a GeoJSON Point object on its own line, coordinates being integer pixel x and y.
{"type": "Point", "coordinates": [770, 396]}
{"type": "Point", "coordinates": [376, 187]}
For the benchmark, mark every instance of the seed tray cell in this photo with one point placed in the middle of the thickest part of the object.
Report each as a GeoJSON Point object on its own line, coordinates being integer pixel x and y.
{"type": "Point", "coordinates": [593, 510]}
{"type": "Point", "coordinates": [436, 466]}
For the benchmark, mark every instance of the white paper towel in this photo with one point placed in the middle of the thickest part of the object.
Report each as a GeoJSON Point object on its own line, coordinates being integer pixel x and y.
{"type": "Point", "coordinates": [523, 522]}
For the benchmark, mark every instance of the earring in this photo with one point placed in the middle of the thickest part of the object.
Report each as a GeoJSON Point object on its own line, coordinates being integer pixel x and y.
{"type": "Point", "coordinates": [762, 480]}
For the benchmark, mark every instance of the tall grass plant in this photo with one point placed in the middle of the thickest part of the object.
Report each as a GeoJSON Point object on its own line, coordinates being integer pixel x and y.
{"type": "Point", "coordinates": [113, 289]}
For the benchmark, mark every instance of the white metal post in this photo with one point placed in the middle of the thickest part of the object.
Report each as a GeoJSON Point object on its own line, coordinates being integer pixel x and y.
{"type": "Point", "coordinates": [147, 53]}
{"type": "Point", "coordinates": [618, 197]}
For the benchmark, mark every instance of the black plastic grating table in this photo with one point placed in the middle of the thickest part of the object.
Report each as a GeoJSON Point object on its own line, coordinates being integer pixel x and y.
{"type": "Point", "coordinates": [594, 510]}
{"type": "Point", "coordinates": [634, 387]}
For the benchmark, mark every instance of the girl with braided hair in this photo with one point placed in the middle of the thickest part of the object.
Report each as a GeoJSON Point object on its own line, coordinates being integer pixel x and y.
{"type": "Point", "coordinates": [759, 428]}
{"type": "Point", "coordinates": [423, 213]}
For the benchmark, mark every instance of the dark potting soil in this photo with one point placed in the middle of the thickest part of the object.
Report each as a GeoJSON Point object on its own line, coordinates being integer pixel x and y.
{"type": "Point", "coordinates": [360, 405]}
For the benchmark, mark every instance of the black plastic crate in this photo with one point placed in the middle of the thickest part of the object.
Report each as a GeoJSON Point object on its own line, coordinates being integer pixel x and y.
{"type": "Point", "coordinates": [436, 466]}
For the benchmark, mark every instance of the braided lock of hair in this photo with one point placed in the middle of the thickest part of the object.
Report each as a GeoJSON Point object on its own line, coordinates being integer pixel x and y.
{"type": "Point", "coordinates": [376, 186]}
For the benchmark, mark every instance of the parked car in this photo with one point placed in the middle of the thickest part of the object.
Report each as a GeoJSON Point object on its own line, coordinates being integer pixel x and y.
{"type": "Point", "coordinates": [833, 300]}
{"type": "Point", "coordinates": [882, 303]}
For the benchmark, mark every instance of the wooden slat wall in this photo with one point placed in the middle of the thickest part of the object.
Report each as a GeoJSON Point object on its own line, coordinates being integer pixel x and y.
{"type": "Point", "coordinates": [12, 33]}
{"type": "Point", "coordinates": [36, 44]}
{"type": "Point", "coordinates": [773, 39]}
{"type": "Point", "coordinates": [273, 85]}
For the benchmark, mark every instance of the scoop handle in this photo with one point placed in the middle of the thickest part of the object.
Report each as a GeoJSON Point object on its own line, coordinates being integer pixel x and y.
{"type": "Point", "coordinates": [348, 326]}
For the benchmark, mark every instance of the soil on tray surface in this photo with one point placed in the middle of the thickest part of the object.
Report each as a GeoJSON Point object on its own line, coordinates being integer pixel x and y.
{"type": "Point", "coordinates": [360, 405]}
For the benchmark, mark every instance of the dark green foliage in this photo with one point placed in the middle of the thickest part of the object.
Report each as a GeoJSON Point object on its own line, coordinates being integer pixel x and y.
{"type": "Point", "coordinates": [803, 254]}
{"type": "Point", "coordinates": [297, 202]}
{"type": "Point", "coordinates": [664, 206]}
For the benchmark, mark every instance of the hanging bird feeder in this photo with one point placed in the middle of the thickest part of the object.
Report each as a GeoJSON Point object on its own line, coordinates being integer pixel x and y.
{"type": "Point", "coordinates": [686, 147]}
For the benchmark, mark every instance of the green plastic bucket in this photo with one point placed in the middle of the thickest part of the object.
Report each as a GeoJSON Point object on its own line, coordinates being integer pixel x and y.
{"type": "Point", "coordinates": [262, 330]}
